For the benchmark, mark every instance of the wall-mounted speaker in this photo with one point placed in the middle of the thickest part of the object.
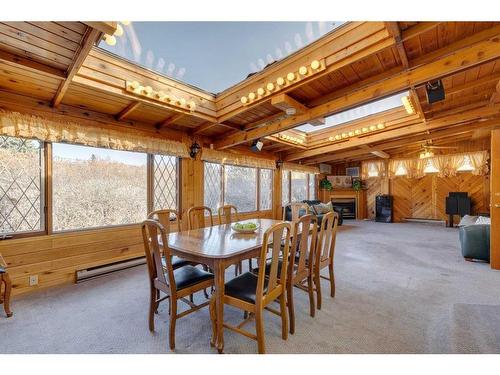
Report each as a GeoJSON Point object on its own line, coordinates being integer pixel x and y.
{"type": "Point", "coordinates": [435, 91]}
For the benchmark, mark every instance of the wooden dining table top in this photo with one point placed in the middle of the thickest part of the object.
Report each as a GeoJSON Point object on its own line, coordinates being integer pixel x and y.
{"type": "Point", "coordinates": [219, 241]}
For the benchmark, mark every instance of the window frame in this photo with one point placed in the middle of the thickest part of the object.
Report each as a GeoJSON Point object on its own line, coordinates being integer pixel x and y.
{"type": "Point", "coordinates": [46, 195]}
{"type": "Point", "coordinates": [308, 186]}
{"type": "Point", "coordinates": [257, 181]}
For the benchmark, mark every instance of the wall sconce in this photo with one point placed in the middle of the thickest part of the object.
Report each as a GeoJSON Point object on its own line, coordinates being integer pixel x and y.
{"type": "Point", "coordinates": [279, 163]}
{"type": "Point", "coordinates": [194, 150]}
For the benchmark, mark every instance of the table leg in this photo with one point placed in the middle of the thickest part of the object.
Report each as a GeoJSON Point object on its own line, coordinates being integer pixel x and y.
{"type": "Point", "coordinates": [219, 300]}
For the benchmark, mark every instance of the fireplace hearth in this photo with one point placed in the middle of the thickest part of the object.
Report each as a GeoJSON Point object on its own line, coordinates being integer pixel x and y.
{"type": "Point", "coordinates": [348, 205]}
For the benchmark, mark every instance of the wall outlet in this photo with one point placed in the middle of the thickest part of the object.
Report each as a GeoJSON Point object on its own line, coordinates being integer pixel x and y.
{"type": "Point", "coordinates": [33, 280]}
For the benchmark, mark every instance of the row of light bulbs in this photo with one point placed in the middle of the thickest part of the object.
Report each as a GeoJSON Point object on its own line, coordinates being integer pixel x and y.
{"type": "Point", "coordinates": [148, 91]}
{"type": "Point", "coordinates": [357, 132]}
{"type": "Point", "coordinates": [111, 39]}
{"type": "Point", "coordinates": [407, 103]}
{"type": "Point", "coordinates": [280, 82]}
{"type": "Point", "coordinates": [291, 139]}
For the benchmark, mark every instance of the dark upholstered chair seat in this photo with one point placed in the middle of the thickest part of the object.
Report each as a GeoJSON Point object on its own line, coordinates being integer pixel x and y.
{"type": "Point", "coordinates": [2, 270]}
{"type": "Point", "coordinates": [243, 287]}
{"type": "Point", "coordinates": [268, 266]}
{"type": "Point", "coordinates": [176, 262]}
{"type": "Point", "coordinates": [189, 275]}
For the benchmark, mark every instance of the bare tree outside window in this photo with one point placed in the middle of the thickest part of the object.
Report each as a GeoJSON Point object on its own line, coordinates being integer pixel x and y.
{"type": "Point", "coordinates": [95, 187]}
{"type": "Point", "coordinates": [213, 185]}
{"type": "Point", "coordinates": [165, 182]}
{"type": "Point", "coordinates": [21, 176]}
{"type": "Point", "coordinates": [266, 189]}
{"type": "Point", "coordinates": [299, 186]}
{"type": "Point", "coordinates": [241, 187]}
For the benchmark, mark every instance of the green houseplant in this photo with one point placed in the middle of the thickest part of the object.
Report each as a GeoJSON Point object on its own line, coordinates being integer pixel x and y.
{"type": "Point", "coordinates": [357, 185]}
{"type": "Point", "coordinates": [325, 184]}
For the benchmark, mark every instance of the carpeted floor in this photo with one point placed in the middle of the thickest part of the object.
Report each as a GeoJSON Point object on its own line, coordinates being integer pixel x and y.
{"type": "Point", "coordinates": [401, 288]}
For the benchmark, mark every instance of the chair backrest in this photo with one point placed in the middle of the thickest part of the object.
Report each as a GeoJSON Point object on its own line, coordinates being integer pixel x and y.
{"type": "Point", "coordinates": [3, 263]}
{"type": "Point", "coordinates": [152, 230]}
{"type": "Point", "coordinates": [327, 236]}
{"type": "Point", "coordinates": [165, 218]}
{"type": "Point", "coordinates": [227, 214]}
{"type": "Point", "coordinates": [196, 217]}
{"type": "Point", "coordinates": [305, 232]}
{"type": "Point", "coordinates": [295, 210]}
{"type": "Point", "coordinates": [277, 247]}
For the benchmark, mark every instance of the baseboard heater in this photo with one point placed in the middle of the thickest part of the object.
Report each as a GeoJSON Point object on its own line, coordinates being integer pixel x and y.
{"type": "Point", "coordinates": [103, 270]}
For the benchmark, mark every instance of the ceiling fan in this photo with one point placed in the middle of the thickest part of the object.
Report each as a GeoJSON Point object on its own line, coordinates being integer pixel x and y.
{"type": "Point", "coordinates": [426, 150]}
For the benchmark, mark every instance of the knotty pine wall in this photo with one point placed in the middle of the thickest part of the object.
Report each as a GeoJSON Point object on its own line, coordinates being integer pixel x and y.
{"type": "Point", "coordinates": [424, 198]}
{"type": "Point", "coordinates": [55, 258]}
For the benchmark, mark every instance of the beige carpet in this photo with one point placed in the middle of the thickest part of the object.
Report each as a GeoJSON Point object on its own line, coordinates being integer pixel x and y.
{"type": "Point", "coordinates": [401, 288]}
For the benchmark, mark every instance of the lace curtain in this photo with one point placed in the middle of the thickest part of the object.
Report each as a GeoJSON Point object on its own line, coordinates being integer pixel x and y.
{"type": "Point", "coordinates": [373, 168]}
{"type": "Point", "coordinates": [226, 157]}
{"type": "Point", "coordinates": [447, 165]}
{"type": "Point", "coordinates": [16, 124]}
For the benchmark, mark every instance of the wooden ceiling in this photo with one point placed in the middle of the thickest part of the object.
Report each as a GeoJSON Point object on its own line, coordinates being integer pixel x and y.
{"type": "Point", "coordinates": [55, 67]}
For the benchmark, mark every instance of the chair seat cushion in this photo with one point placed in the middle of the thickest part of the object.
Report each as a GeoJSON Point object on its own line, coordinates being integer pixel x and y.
{"type": "Point", "coordinates": [243, 287]}
{"type": "Point", "coordinates": [188, 275]}
{"type": "Point", "coordinates": [2, 270]}
{"type": "Point", "coordinates": [176, 262]}
{"type": "Point", "coordinates": [280, 264]}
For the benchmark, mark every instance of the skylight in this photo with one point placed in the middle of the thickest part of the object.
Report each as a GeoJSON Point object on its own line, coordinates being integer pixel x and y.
{"type": "Point", "coordinates": [365, 110]}
{"type": "Point", "coordinates": [213, 55]}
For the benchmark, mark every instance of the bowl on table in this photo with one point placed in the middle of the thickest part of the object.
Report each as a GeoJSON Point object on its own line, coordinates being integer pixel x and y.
{"type": "Point", "coordinates": [245, 227]}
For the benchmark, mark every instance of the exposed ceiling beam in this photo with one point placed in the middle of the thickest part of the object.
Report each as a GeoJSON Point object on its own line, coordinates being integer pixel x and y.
{"type": "Point", "coordinates": [481, 113]}
{"type": "Point", "coordinates": [381, 154]}
{"type": "Point", "coordinates": [286, 102]}
{"type": "Point", "coordinates": [418, 106]}
{"type": "Point", "coordinates": [441, 133]}
{"type": "Point", "coordinates": [480, 52]}
{"type": "Point", "coordinates": [127, 110]}
{"type": "Point", "coordinates": [31, 65]}
{"type": "Point", "coordinates": [106, 27]}
{"type": "Point", "coordinates": [209, 125]}
{"type": "Point", "coordinates": [170, 120]}
{"type": "Point", "coordinates": [418, 29]}
{"type": "Point", "coordinates": [91, 36]}
{"type": "Point", "coordinates": [394, 30]}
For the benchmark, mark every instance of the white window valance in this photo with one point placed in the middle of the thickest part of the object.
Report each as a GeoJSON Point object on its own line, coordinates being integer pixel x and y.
{"type": "Point", "coordinates": [21, 125]}
{"type": "Point", "coordinates": [443, 165]}
{"type": "Point", "coordinates": [294, 167]}
{"type": "Point", "coordinates": [372, 168]}
{"type": "Point", "coordinates": [227, 157]}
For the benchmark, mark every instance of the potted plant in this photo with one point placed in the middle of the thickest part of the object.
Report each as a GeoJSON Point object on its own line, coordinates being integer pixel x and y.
{"type": "Point", "coordinates": [357, 185]}
{"type": "Point", "coordinates": [324, 184]}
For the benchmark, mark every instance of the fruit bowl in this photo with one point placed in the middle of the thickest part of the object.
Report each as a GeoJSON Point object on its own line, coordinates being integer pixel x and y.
{"type": "Point", "coordinates": [245, 227]}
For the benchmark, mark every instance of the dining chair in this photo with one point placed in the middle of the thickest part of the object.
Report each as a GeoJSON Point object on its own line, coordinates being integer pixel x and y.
{"type": "Point", "coordinates": [227, 215]}
{"type": "Point", "coordinates": [253, 293]}
{"type": "Point", "coordinates": [295, 210]}
{"type": "Point", "coordinates": [300, 270]}
{"type": "Point", "coordinates": [175, 284]}
{"type": "Point", "coordinates": [197, 217]}
{"type": "Point", "coordinates": [167, 217]}
{"type": "Point", "coordinates": [325, 249]}
{"type": "Point", "coordinates": [7, 287]}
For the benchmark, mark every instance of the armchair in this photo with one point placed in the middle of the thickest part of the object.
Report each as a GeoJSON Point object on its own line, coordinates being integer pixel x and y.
{"type": "Point", "coordinates": [313, 202]}
{"type": "Point", "coordinates": [475, 242]}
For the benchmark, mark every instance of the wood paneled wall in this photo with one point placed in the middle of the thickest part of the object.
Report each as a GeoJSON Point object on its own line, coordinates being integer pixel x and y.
{"type": "Point", "coordinates": [56, 258]}
{"type": "Point", "coordinates": [424, 198]}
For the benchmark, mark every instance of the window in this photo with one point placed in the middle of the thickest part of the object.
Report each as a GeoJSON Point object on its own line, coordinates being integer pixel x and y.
{"type": "Point", "coordinates": [213, 185]}
{"type": "Point", "coordinates": [266, 189]}
{"type": "Point", "coordinates": [21, 185]}
{"type": "Point", "coordinates": [95, 187]}
{"type": "Point", "coordinates": [466, 165]}
{"type": "Point", "coordinates": [240, 187]}
{"type": "Point", "coordinates": [401, 171]}
{"type": "Point", "coordinates": [165, 182]}
{"type": "Point", "coordinates": [297, 186]}
{"type": "Point", "coordinates": [229, 184]}
{"type": "Point", "coordinates": [429, 167]}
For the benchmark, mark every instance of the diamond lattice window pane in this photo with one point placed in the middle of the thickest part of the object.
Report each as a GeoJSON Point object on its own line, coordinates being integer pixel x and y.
{"type": "Point", "coordinates": [21, 171]}
{"type": "Point", "coordinates": [285, 188]}
{"type": "Point", "coordinates": [266, 189]}
{"type": "Point", "coordinates": [241, 187]}
{"type": "Point", "coordinates": [213, 185]}
{"type": "Point", "coordinates": [165, 186]}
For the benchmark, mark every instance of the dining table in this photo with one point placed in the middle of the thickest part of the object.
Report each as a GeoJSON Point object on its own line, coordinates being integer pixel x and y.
{"type": "Point", "coordinates": [219, 247]}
